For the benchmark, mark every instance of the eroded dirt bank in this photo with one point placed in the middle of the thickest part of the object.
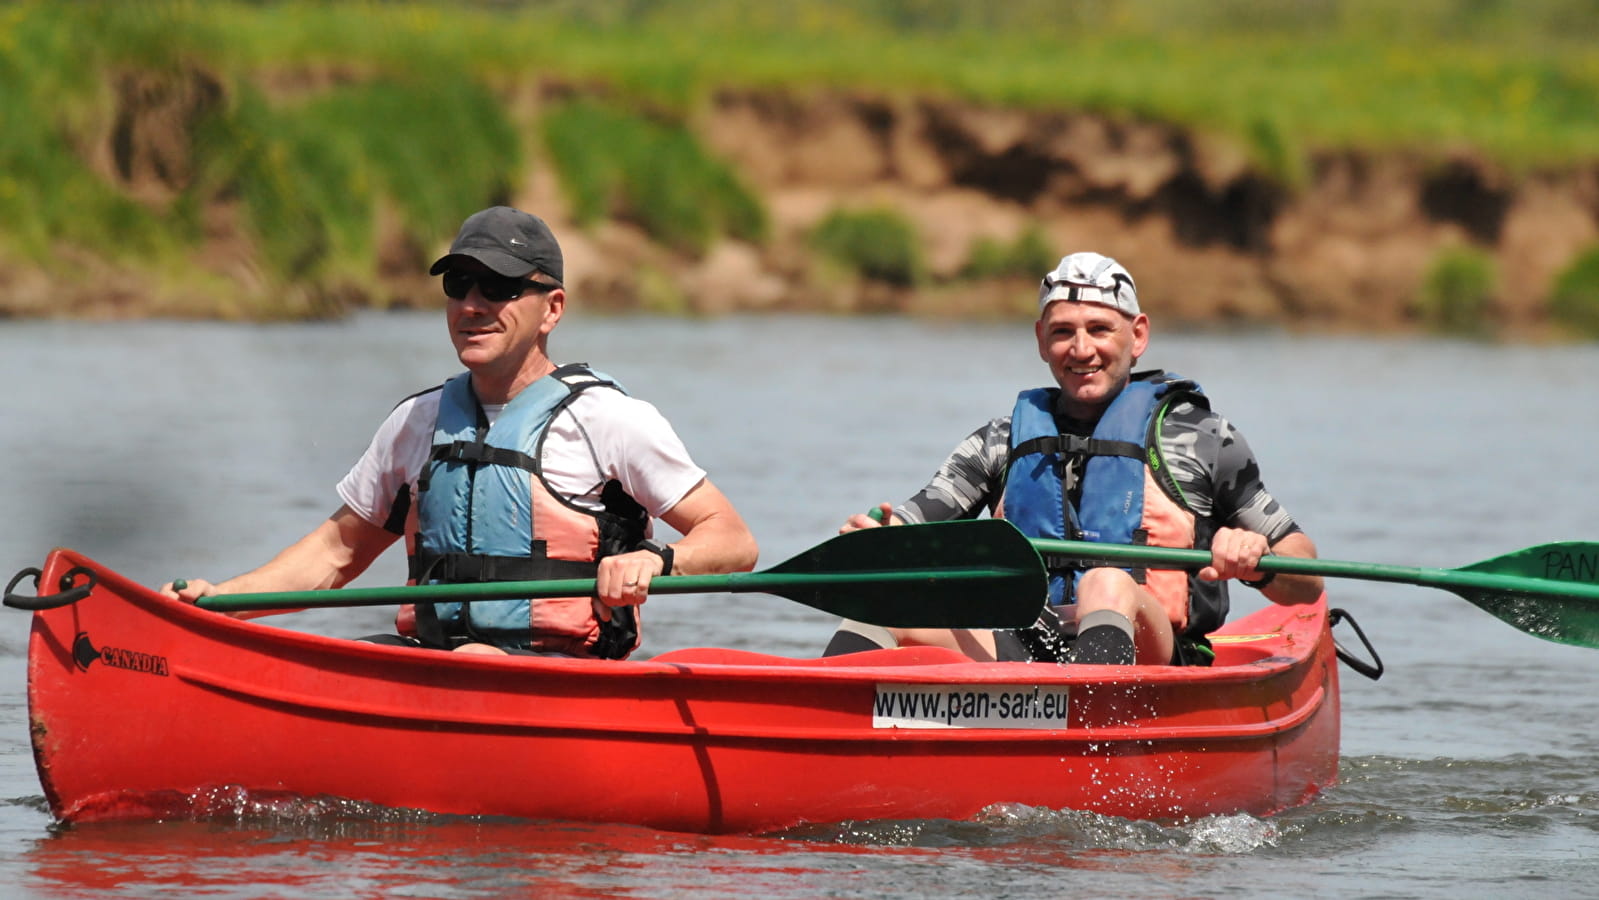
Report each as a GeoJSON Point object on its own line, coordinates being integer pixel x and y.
{"type": "Point", "coordinates": [1211, 238]}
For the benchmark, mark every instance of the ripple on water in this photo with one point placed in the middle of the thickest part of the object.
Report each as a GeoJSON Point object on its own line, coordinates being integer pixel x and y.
{"type": "Point", "coordinates": [1016, 823]}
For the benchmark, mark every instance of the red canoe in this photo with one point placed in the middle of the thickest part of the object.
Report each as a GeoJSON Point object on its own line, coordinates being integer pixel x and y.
{"type": "Point", "coordinates": [139, 704]}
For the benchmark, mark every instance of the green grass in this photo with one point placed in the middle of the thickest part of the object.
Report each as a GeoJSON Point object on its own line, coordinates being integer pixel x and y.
{"type": "Point", "coordinates": [1517, 80]}
{"type": "Point", "coordinates": [308, 168]}
{"type": "Point", "coordinates": [48, 111]}
{"type": "Point", "coordinates": [331, 112]}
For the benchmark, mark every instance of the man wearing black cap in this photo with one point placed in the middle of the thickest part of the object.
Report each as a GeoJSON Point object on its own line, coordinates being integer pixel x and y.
{"type": "Point", "coordinates": [516, 470]}
{"type": "Point", "coordinates": [1107, 454]}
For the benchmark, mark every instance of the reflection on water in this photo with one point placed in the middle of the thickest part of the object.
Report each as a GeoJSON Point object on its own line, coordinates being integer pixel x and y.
{"type": "Point", "coordinates": [199, 449]}
{"type": "Point", "coordinates": [332, 849]}
{"type": "Point", "coordinates": [1393, 822]}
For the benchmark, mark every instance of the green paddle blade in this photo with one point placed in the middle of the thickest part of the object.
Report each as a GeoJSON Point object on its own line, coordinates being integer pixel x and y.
{"type": "Point", "coordinates": [969, 574]}
{"type": "Point", "coordinates": [1551, 591]}
{"type": "Point", "coordinates": [975, 573]}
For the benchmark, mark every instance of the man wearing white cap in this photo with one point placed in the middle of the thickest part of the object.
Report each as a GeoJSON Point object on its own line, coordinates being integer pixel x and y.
{"type": "Point", "coordinates": [1115, 456]}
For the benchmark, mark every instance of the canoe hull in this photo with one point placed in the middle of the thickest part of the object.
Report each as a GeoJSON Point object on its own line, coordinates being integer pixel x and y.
{"type": "Point", "coordinates": [139, 705]}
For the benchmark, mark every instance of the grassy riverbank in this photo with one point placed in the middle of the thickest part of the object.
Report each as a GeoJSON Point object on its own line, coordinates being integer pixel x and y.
{"type": "Point", "coordinates": [328, 132]}
{"type": "Point", "coordinates": [1516, 80]}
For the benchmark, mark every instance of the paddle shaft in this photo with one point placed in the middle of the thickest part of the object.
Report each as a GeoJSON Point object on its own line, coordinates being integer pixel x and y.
{"type": "Point", "coordinates": [971, 574]}
{"type": "Point", "coordinates": [1548, 591]}
{"type": "Point", "coordinates": [1176, 558]}
{"type": "Point", "coordinates": [737, 582]}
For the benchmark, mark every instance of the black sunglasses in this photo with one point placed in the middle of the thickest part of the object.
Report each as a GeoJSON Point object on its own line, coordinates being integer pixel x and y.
{"type": "Point", "coordinates": [494, 287]}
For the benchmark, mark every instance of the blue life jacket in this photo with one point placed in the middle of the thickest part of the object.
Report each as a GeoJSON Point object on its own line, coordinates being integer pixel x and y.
{"type": "Point", "coordinates": [1123, 457]}
{"type": "Point", "coordinates": [485, 513]}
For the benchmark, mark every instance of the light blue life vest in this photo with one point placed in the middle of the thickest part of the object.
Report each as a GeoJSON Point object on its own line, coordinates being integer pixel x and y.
{"type": "Point", "coordinates": [485, 513]}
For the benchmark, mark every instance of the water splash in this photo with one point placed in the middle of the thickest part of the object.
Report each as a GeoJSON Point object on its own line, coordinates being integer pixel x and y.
{"type": "Point", "coordinates": [1010, 824]}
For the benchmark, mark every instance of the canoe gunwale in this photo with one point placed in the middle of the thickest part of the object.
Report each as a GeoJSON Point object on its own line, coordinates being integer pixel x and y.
{"type": "Point", "coordinates": [261, 634]}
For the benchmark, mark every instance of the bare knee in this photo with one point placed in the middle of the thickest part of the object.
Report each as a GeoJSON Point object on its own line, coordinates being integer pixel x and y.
{"type": "Point", "coordinates": [1112, 589]}
{"type": "Point", "coordinates": [481, 649]}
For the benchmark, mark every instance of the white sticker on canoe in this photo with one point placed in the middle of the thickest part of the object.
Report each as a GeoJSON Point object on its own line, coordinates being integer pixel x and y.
{"type": "Point", "coordinates": [969, 706]}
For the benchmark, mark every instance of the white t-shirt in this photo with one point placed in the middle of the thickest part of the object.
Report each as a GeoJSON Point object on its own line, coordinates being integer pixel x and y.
{"type": "Point", "coordinates": [601, 435]}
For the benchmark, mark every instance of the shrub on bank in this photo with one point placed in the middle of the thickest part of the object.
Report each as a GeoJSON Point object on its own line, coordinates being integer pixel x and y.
{"type": "Point", "coordinates": [1030, 255]}
{"type": "Point", "coordinates": [1574, 301]}
{"type": "Point", "coordinates": [613, 163]}
{"type": "Point", "coordinates": [1458, 291]}
{"type": "Point", "coordinates": [311, 174]}
{"type": "Point", "coordinates": [880, 244]}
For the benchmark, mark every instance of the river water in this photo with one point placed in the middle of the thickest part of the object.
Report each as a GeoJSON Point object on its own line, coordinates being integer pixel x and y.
{"type": "Point", "coordinates": [200, 449]}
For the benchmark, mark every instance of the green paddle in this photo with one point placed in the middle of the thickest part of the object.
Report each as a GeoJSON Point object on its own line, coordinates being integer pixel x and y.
{"type": "Point", "coordinates": [970, 574]}
{"type": "Point", "coordinates": [1549, 591]}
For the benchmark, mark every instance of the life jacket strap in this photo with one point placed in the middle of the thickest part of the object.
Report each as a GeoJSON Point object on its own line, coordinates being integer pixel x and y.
{"type": "Point", "coordinates": [472, 568]}
{"type": "Point", "coordinates": [480, 454]}
{"type": "Point", "coordinates": [1073, 445]}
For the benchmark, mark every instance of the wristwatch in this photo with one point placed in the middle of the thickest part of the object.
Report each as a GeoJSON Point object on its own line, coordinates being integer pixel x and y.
{"type": "Point", "coordinates": [664, 551]}
{"type": "Point", "coordinates": [1264, 580]}
{"type": "Point", "coordinates": [1259, 583]}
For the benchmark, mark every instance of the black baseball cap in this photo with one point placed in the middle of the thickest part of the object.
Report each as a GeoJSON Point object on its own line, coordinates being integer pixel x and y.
{"type": "Point", "coordinates": [509, 241]}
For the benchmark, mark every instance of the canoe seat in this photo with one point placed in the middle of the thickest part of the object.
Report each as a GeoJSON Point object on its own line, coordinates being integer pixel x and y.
{"type": "Point", "coordinates": [899, 656]}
